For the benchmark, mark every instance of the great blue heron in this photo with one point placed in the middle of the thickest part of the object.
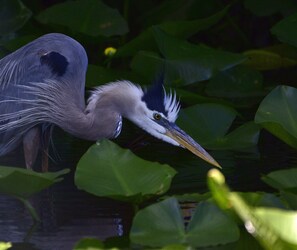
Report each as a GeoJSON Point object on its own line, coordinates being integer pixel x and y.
{"type": "Point", "coordinates": [42, 84]}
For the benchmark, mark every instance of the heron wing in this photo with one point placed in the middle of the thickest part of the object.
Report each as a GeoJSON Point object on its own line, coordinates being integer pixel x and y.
{"type": "Point", "coordinates": [53, 59]}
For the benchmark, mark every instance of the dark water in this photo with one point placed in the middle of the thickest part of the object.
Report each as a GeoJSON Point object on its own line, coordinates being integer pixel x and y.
{"type": "Point", "coordinates": [69, 214]}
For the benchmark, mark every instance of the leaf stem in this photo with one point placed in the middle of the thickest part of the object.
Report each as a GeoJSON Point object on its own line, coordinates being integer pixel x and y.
{"type": "Point", "coordinates": [30, 208]}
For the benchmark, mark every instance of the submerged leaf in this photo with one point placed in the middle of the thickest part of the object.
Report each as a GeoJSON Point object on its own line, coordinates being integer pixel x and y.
{"type": "Point", "coordinates": [108, 170]}
{"type": "Point", "coordinates": [278, 114]}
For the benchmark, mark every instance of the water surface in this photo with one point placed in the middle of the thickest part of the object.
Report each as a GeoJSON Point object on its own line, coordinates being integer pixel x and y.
{"type": "Point", "coordinates": [69, 214]}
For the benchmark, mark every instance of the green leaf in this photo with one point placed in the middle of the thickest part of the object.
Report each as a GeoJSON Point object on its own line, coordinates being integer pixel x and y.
{"type": "Point", "coordinates": [282, 222]}
{"type": "Point", "coordinates": [209, 123]}
{"type": "Point", "coordinates": [23, 183]}
{"type": "Point", "coordinates": [235, 83]}
{"type": "Point", "coordinates": [265, 7]}
{"type": "Point", "coordinates": [162, 223]}
{"type": "Point", "coordinates": [263, 59]}
{"type": "Point", "coordinates": [89, 244]}
{"type": "Point", "coordinates": [181, 29]}
{"type": "Point", "coordinates": [193, 63]}
{"type": "Point", "coordinates": [290, 199]}
{"type": "Point", "coordinates": [278, 114]}
{"type": "Point", "coordinates": [282, 179]}
{"type": "Point", "coordinates": [13, 15]}
{"type": "Point", "coordinates": [89, 17]}
{"type": "Point", "coordinates": [285, 30]}
{"type": "Point", "coordinates": [274, 228]}
{"type": "Point", "coordinates": [108, 170]}
{"type": "Point", "coordinates": [208, 227]}
{"type": "Point", "coordinates": [261, 199]}
{"type": "Point", "coordinates": [97, 75]}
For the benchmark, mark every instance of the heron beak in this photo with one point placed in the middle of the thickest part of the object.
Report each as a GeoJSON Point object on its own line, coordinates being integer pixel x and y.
{"type": "Point", "coordinates": [181, 137]}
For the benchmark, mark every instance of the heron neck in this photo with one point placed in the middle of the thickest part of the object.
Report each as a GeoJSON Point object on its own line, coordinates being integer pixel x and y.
{"type": "Point", "coordinates": [93, 124]}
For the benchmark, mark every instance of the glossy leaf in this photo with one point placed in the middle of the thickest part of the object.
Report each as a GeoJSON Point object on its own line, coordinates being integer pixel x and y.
{"type": "Point", "coordinates": [13, 15]}
{"type": "Point", "coordinates": [209, 123]}
{"type": "Point", "coordinates": [90, 17]}
{"type": "Point", "coordinates": [23, 183]}
{"type": "Point", "coordinates": [194, 63]}
{"type": "Point", "coordinates": [282, 179]}
{"type": "Point", "coordinates": [108, 170]}
{"type": "Point", "coordinates": [181, 29]}
{"type": "Point", "coordinates": [278, 114]}
{"type": "Point", "coordinates": [162, 223]}
{"type": "Point", "coordinates": [285, 30]}
{"type": "Point", "coordinates": [275, 229]}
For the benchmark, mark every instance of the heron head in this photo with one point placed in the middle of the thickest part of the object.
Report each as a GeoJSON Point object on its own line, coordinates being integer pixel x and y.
{"type": "Point", "coordinates": [157, 113]}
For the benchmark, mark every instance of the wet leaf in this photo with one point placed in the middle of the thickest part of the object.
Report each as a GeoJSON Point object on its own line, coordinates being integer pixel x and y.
{"type": "Point", "coordinates": [13, 15]}
{"type": "Point", "coordinates": [278, 114]}
{"type": "Point", "coordinates": [23, 183]}
{"type": "Point", "coordinates": [162, 223]}
{"type": "Point", "coordinates": [209, 123]}
{"type": "Point", "coordinates": [94, 19]}
{"type": "Point", "coordinates": [108, 170]}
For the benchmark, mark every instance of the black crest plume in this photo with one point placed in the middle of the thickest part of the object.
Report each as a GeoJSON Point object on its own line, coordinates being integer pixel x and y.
{"type": "Point", "coordinates": [154, 95]}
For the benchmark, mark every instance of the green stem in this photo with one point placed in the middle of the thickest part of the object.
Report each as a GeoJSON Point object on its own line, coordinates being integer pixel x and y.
{"type": "Point", "coordinates": [30, 208]}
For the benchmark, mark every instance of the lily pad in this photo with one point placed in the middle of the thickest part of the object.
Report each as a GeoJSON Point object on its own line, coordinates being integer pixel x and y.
{"type": "Point", "coordinates": [278, 114]}
{"type": "Point", "coordinates": [162, 223]}
{"type": "Point", "coordinates": [23, 183]}
{"type": "Point", "coordinates": [110, 171]}
{"type": "Point", "coordinates": [209, 123]}
{"type": "Point", "coordinates": [94, 18]}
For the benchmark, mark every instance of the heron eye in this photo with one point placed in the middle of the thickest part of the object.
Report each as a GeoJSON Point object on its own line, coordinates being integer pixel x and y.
{"type": "Point", "coordinates": [157, 116]}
